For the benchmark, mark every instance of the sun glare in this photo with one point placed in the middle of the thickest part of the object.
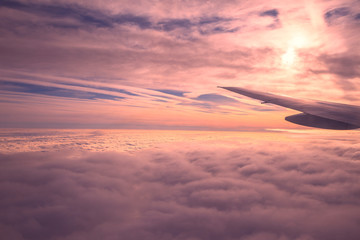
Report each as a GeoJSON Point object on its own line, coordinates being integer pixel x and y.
{"type": "Point", "coordinates": [289, 57]}
{"type": "Point", "coordinates": [299, 41]}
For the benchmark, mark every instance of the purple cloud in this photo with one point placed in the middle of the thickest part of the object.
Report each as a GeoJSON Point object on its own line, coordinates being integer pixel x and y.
{"type": "Point", "coordinates": [216, 98]}
{"type": "Point", "coordinates": [271, 13]}
{"type": "Point", "coordinates": [333, 14]}
{"type": "Point", "coordinates": [252, 190]}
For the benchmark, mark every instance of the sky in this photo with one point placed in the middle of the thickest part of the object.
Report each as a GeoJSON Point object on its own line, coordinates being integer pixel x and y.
{"type": "Point", "coordinates": [157, 64]}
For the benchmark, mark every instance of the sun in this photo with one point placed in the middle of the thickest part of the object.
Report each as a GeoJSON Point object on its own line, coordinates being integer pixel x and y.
{"type": "Point", "coordinates": [289, 57]}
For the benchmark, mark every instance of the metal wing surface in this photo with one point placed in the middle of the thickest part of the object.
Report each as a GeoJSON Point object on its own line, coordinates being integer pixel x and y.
{"type": "Point", "coordinates": [315, 113]}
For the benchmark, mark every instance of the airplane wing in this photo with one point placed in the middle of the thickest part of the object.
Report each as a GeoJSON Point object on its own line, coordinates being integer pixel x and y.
{"type": "Point", "coordinates": [318, 114]}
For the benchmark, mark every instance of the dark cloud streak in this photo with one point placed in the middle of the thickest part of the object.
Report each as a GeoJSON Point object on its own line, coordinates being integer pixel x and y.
{"type": "Point", "coordinates": [271, 13]}
{"type": "Point", "coordinates": [177, 93]}
{"type": "Point", "coordinates": [83, 15]}
{"type": "Point", "coordinates": [344, 65]}
{"type": "Point", "coordinates": [62, 11]}
{"type": "Point", "coordinates": [54, 91]}
{"type": "Point", "coordinates": [97, 18]}
{"type": "Point", "coordinates": [217, 98]}
{"type": "Point", "coordinates": [331, 15]}
{"type": "Point", "coordinates": [274, 13]}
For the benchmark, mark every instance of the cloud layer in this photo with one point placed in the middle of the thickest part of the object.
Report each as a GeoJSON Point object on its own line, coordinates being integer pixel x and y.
{"type": "Point", "coordinates": [263, 189]}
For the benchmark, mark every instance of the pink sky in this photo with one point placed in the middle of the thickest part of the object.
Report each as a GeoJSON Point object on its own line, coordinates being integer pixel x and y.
{"type": "Point", "coordinates": [156, 64]}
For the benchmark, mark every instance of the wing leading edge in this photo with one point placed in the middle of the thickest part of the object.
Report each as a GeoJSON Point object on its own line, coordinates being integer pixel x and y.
{"type": "Point", "coordinates": [317, 114]}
